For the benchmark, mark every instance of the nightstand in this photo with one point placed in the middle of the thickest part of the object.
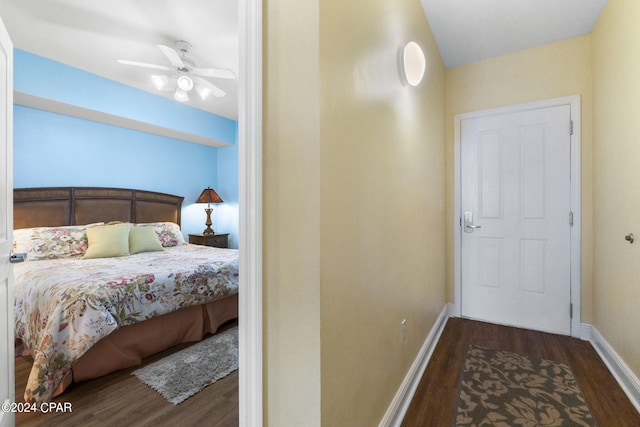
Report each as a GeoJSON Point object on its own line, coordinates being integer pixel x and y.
{"type": "Point", "coordinates": [214, 240]}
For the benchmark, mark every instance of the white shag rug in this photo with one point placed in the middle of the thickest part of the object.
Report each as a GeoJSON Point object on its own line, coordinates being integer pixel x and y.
{"type": "Point", "coordinates": [186, 372]}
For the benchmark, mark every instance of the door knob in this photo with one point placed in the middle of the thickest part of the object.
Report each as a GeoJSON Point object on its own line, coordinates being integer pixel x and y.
{"type": "Point", "coordinates": [17, 258]}
{"type": "Point", "coordinates": [469, 226]}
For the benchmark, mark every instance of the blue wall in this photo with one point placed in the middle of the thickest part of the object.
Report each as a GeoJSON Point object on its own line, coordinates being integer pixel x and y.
{"type": "Point", "coordinates": [228, 214]}
{"type": "Point", "coordinates": [43, 77]}
{"type": "Point", "coordinates": [56, 150]}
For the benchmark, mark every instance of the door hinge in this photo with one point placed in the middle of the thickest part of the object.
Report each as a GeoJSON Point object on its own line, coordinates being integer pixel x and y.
{"type": "Point", "coordinates": [570, 127]}
{"type": "Point", "coordinates": [571, 219]}
{"type": "Point", "coordinates": [570, 310]}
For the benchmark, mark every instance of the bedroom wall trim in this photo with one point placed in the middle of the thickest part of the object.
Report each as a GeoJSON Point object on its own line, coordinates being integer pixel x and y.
{"type": "Point", "coordinates": [400, 403]}
{"type": "Point", "coordinates": [628, 381]}
{"type": "Point", "coordinates": [250, 341]}
{"type": "Point", "coordinates": [45, 104]}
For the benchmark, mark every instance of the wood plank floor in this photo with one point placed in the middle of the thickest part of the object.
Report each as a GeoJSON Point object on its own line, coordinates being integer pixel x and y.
{"type": "Point", "coordinates": [435, 398]}
{"type": "Point", "coordinates": [120, 399]}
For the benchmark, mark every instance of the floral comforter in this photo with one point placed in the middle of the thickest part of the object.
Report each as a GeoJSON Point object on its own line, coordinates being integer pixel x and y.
{"type": "Point", "coordinates": [64, 306]}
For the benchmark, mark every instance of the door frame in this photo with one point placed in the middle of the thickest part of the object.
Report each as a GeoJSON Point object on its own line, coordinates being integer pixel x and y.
{"type": "Point", "coordinates": [250, 341]}
{"type": "Point", "coordinates": [250, 211]}
{"type": "Point", "coordinates": [575, 232]}
{"type": "Point", "coordinates": [7, 418]}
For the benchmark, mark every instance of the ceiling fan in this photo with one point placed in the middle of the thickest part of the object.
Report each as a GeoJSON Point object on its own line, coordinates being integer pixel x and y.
{"type": "Point", "coordinates": [183, 76]}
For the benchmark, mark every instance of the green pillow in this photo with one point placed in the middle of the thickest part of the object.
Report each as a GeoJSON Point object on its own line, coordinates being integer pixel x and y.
{"type": "Point", "coordinates": [143, 239]}
{"type": "Point", "coordinates": [108, 241]}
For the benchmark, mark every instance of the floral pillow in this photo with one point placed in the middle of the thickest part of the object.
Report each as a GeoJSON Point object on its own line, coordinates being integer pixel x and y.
{"type": "Point", "coordinates": [168, 233]}
{"type": "Point", "coordinates": [51, 242]}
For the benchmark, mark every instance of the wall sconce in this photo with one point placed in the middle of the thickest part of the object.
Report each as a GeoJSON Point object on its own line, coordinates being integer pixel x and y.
{"type": "Point", "coordinates": [413, 64]}
{"type": "Point", "coordinates": [209, 196]}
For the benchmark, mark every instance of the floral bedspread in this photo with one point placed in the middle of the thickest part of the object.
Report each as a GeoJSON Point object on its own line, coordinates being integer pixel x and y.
{"type": "Point", "coordinates": [64, 306]}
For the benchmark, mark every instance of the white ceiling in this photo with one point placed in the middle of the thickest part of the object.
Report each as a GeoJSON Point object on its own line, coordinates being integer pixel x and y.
{"type": "Point", "coordinates": [472, 30]}
{"type": "Point", "coordinates": [92, 35]}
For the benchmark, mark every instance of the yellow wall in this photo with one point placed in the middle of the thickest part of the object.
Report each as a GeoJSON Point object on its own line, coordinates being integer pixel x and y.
{"type": "Point", "coordinates": [616, 101]}
{"type": "Point", "coordinates": [291, 217]}
{"type": "Point", "coordinates": [382, 204]}
{"type": "Point", "coordinates": [353, 207]}
{"type": "Point", "coordinates": [551, 71]}
{"type": "Point", "coordinates": [356, 172]}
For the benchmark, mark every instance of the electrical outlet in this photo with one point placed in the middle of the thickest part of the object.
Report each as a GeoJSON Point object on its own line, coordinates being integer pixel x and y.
{"type": "Point", "coordinates": [403, 326]}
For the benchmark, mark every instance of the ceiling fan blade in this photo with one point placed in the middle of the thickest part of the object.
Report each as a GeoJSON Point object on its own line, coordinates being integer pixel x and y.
{"type": "Point", "coordinates": [215, 90]}
{"type": "Point", "coordinates": [215, 72]}
{"type": "Point", "coordinates": [143, 64]}
{"type": "Point", "coordinates": [172, 55]}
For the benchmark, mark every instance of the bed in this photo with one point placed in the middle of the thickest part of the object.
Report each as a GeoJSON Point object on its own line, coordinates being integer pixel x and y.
{"type": "Point", "coordinates": [86, 306]}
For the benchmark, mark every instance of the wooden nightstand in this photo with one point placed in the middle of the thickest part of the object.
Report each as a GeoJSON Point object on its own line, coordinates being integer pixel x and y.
{"type": "Point", "coordinates": [214, 240]}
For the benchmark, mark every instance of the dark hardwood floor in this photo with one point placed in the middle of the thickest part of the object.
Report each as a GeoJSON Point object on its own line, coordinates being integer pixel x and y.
{"type": "Point", "coordinates": [435, 398]}
{"type": "Point", "coordinates": [120, 399]}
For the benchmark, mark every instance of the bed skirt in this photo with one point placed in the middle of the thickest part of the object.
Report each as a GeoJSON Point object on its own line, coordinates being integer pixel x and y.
{"type": "Point", "coordinates": [126, 347]}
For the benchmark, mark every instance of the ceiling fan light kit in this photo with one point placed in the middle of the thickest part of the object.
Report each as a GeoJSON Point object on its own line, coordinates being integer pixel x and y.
{"type": "Point", "coordinates": [184, 76]}
{"type": "Point", "coordinates": [181, 95]}
{"type": "Point", "coordinates": [185, 83]}
{"type": "Point", "coordinates": [161, 82]}
{"type": "Point", "coordinates": [204, 92]}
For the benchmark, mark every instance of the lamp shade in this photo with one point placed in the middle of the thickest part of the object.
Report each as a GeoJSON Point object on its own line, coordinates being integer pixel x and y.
{"type": "Point", "coordinates": [209, 195]}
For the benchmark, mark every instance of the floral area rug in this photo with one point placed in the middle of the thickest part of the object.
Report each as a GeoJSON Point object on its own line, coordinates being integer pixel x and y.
{"type": "Point", "coordinates": [186, 372]}
{"type": "Point", "coordinates": [499, 388]}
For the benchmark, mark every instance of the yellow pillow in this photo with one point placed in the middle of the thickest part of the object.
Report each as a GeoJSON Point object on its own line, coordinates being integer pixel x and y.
{"type": "Point", "coordinates": [108, 241]}
{"type": "Point", "coordinates": [143, 239]}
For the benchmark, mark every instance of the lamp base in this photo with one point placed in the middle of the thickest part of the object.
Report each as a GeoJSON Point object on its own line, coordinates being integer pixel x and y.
{"type": "Point", "coordinates": [208, 231]}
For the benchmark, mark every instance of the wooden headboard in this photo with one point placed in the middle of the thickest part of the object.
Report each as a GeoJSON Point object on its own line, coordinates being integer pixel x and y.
{"type": "Point", "coordinates": [58, 206]}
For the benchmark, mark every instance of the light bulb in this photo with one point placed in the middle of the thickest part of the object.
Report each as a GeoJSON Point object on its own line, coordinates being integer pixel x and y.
{"type": "Point", "coordinates": [203, 91]}
{"type": "Point", "coordinates": [181, 95]}
{"type": "Point", "coordinates": [185, 83]}
{"type": "Point", "coordinates": [160, 82]}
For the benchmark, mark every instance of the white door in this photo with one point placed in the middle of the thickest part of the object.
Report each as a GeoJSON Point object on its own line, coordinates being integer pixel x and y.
{"type": "Point", "coordinates": [515, 203]}
{"type": "Point", "coordinates": [7, 387]}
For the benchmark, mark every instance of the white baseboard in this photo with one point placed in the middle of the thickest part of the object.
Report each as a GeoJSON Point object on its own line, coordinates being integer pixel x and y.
{"type": "Point", "coordinates": [585, 331]}
{"type": "Point", "coordinates": [396, 411]}
{"type": "Point", "coordinates": [452, 310]}
{"type": "Point", "coordinates": [619, 369]}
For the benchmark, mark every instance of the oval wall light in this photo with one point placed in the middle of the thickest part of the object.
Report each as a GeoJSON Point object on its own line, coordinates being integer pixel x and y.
{"type": "Point", "coordinates": [414, 63]}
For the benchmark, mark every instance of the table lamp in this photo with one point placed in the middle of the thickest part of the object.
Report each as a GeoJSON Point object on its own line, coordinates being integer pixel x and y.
{"type": "Point", "coordinates": [208, 196]}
